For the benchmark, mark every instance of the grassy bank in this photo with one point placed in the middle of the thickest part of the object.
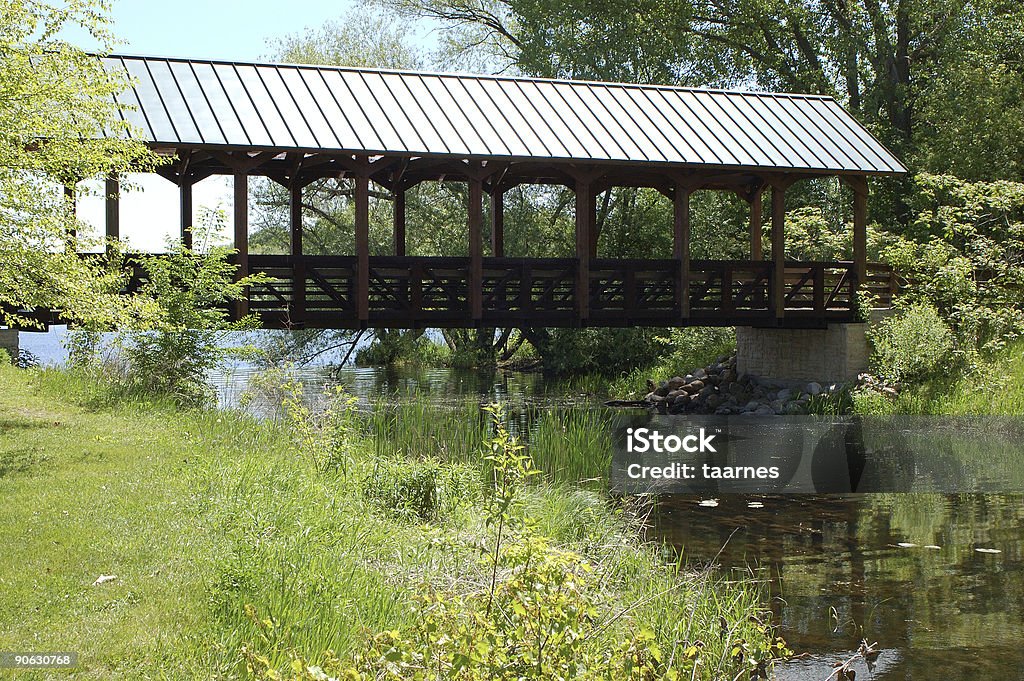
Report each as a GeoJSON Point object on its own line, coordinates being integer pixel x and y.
{"type": "Point", "coordinates": [234, 540]}
{"type": "Point", "coordinates": [994, 387]}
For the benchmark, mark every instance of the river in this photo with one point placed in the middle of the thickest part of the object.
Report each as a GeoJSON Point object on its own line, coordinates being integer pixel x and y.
{"type": "Point", "coordinates": [936, 579]}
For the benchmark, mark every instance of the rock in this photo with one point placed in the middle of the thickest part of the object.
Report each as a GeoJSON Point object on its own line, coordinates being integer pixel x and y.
{"type": "Point", "coordinates": [676, 382]}
{"type": "Point", "coordinates": [694, 387]}
{"type": "Point", "coordinates": [813, 388]}
{"type": "Point", "coordinates": [713, 401]}
{"type": "Point", "coordinates": [706, 390]}
{"type": "Point", "coordinates": [663, 390]}
{"type": "Point", "coordinates": [649, 397]}
{"type": "Point", "coordinates": [103, 579]}
{"type": "Point", "coordinates": [675, 393]}
{"type": "Point", "coordinates": [681, 399]}
{"type": "Point", "coordinates": [764, 410]}
{"type": "Point", "coordinates": [777, 406]}
{"type": "Point", "coordinates": [729, 375]}
{"type": "Point", "coordinates": [700, 373]}
{"type": "Point", "coordinates": [785, 394]}
{"type": "Point", "coordinates": [651, 386]}
{"type": "Point", "coordinates": [723, 411]}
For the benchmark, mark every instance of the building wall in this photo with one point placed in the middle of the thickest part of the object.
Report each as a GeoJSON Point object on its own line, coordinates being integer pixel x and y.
{"type": "Point", "coordinates": [833, 355]}
{"type": "Point", "coordinates": [9, 342]}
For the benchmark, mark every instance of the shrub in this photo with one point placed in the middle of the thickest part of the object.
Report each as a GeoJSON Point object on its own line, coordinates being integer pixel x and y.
{"type": "Point", "coordinates": [427, 491]}
{"type": "Point", "coordinates": [912, 346]}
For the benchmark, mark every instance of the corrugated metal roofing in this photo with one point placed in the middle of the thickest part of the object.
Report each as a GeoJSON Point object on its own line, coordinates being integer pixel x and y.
{"type": "Point", "coordinates": [315, 108]}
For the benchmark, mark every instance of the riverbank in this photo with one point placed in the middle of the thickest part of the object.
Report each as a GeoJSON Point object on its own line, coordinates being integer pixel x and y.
{"type": "Point", "coordinates": [163, 543]}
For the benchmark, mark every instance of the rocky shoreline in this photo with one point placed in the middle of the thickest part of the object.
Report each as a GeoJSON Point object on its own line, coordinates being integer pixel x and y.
{"type": "Point", "coordinates": [720, 389]}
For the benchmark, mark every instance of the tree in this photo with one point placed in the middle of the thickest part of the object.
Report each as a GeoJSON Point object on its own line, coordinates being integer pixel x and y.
{"type": "Point", "coordinates": [61, 125]}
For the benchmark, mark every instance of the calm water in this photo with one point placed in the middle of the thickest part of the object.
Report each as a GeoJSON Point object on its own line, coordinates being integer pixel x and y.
{"type": "Point", "coordinates": [900, 569]}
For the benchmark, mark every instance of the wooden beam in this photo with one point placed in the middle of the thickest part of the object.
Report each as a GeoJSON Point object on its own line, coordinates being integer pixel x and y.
{"type": "Point", "coordinates": [681, 247]}
{"type": "Point", "coordinates": [362, 287]}
{"type": "Point", "coordinates": [185, 202]}
{"type": "Point", "coordinates": [399, 221]}
{"type": "Point", "coordinates": [298, 310]}
{"type": "Point", "coordinates": [779, 250]}
{"type": "Point", "coordinates": [241, 225]}
{"type": "Point", "coordinates": [756, 228]}
{"type": "Point", "coordinates": [860, 227]}
{"type": "Point", "coordinates": [586, 216]}
{"type": "Point", "coordinates": [112, 199]}
{"type": "Point", "coordinates": [498, 222]}
{"type": "Point", "coordinates": [476, 227]}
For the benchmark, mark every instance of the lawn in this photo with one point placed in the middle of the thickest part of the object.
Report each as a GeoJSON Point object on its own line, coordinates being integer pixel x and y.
{"type": "Point", "coordinates": [227, 537]}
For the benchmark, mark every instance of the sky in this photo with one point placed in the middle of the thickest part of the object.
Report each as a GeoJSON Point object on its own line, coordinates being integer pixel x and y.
{"type": "Point", "coordinates": [203, 29]}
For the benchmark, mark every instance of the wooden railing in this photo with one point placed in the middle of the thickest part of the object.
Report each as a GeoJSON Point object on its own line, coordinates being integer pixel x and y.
{"type": "Point", "coordinates": [322, 292]}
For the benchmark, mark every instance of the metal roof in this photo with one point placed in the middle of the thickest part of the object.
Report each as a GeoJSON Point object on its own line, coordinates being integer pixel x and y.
{"type": "Point", "coordinates": [191, 102]}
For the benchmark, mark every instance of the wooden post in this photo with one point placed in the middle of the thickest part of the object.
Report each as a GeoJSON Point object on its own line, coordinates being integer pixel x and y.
{"type": "Point", "coordinates": [756, 209]}
{"type": "Point", "coordinates": [112, 197]}
{"type": "Point", "coordinates": [298, 309]}
{"type": "Point", "coordinates": [241, 224]}
{"type": "Point", "coordinates": [185, 201]}
{"type": "Point", "coordinates": [860, 229]}
{"type": "Point", "coordinates": [779, 250]}
{"type": "Point", "coordinates": [681, 247]}
{"type": "Point", "coordinates": [362, 287]}
{"type": "Point", "coordinates": [586, 217]}
{"type": "Point", "coordinates": [476, 226]}
{"type": "Point", "coordinates": [498, 223]}
{"type": "Point", "coordinates": [399, 221]}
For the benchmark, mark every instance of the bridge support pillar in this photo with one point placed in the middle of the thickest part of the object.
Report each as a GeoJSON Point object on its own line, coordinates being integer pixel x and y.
{"type": "Point", "coordinates": [833, 355]}
{"type": "Point", "coordinates": [9, 342]}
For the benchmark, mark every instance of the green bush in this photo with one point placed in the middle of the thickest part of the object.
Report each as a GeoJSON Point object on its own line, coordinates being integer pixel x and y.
{"type": "Point", "coordinates": [913, 345]}
{"type": "Point", "coordinates": [427, 491]}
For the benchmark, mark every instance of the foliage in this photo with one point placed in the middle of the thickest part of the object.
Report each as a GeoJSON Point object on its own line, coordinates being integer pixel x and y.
{"type": "Point", "coordinates": [57, 104]}
{"type": "Point", "coordinates": [600, 351]}
{"type": "Point", "coordinates": [913, 345]}
{"type": "Point", "coordinates": [421, 490]}
{"type": "Point", "coordinates": [185, 333]}
{"type": "Point", "coordinates": [321, 432]}
{"type": "Point", "coordinates": [690, 349]}
{"type": "Point", "coordinates": [965, 256]}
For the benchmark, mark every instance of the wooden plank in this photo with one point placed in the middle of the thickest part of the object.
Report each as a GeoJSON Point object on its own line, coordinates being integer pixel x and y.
{"type": "Point", "coordinates": [185, 205]}
{"type": "Point", "coordinates": [586, 216]}
{"type": "Point", "coordinates": [298, 306]}
{"type": "Point", "coordinates": [756, 210]}
{"type": "Point", "coordinates": [398, 222]}
{"type": "Point", "coordinates": [681, 248]}
{"type": "Point", "coordinates": [476, 253]}
{"type": "Point", "coordinates": [241, 229]}
{"type": "Point", "coordinates": [860, 221]}
{"type": "Point", "coordinates": [498, 223]}
{"type": "Point", "coordinates": [362, 288]}
{"type": "Point", "coordinates": [779, 250]}
{"type": "Point", "coordinates": [112, 216]}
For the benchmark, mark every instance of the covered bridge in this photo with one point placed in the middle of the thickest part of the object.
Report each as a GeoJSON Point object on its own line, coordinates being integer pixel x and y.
{"type": "Point", "coordinates": [295, 124]}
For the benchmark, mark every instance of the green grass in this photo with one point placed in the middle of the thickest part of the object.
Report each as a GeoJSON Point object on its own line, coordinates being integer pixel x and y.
{"type": "Point", "coordinates": [207, 517]}
{"type": "Point", "coordinates": [995, 387]}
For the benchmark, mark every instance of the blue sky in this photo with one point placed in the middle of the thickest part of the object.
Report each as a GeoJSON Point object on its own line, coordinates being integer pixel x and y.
{"type": "Point", "coordinates": [225, 29]}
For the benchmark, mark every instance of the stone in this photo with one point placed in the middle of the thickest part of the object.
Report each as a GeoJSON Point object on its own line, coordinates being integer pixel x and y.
{"type": "Point", "coordinates": [764, 410]}
{"type": "Point", "coordinates": [713, 401]}
{"type": "Point", "coordinates": [663, 390]}
{"type": "Point", "coordinates": [681, 399]}
{"type": "Point", "coordinates": [723, 411]}
{"type": "Point", "coordinates": [706, 390]}
{"type": "Point", "coordinates": [675, 393]}
{"type": "Point", "coordinates": [785, 394]}
{"type": "Point", "coordinates": [700, 374]}
{"type": "Point", "coordinates": [813, 388]}
{"type": "Point", "coordinates": [676, 382]}
{"type": "Point", "coordinates": [694, 387]}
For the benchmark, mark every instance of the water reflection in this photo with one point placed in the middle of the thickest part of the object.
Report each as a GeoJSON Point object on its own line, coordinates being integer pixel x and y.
{"type": "Point", "coordinates": [900, 569]}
